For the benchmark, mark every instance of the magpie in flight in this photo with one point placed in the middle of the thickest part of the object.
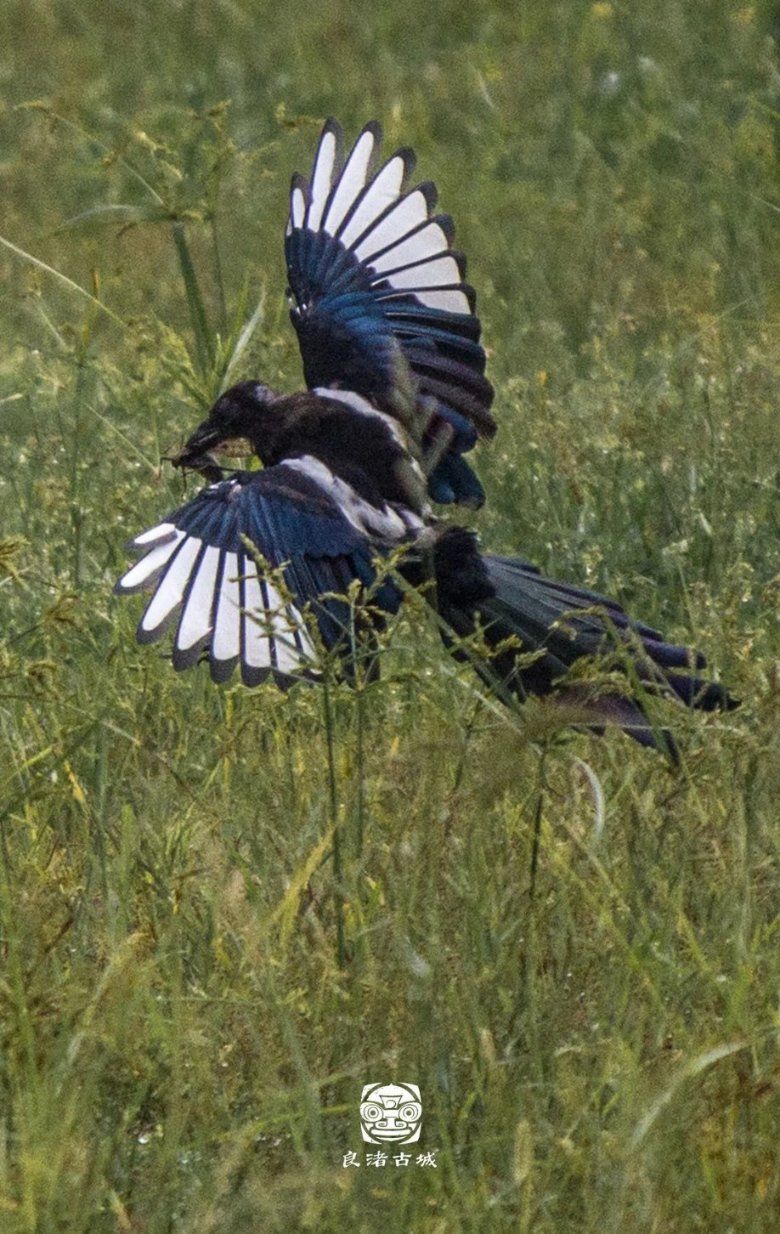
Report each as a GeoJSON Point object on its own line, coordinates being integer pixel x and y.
{"type": "Point", "coordinates": [262, 565]}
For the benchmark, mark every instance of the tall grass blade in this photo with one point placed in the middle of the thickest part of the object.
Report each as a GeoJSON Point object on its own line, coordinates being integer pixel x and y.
{"type": "Point", "coordinates": [692, 1068]}
{"type": "Point", "coordinates": [242, 342]}
{"type": "Point", "coordinates": [117, 213]}
{"type": "Point", "coordinates": [204, 347]}
{"type": "Point", "coordinates": [62, 278]}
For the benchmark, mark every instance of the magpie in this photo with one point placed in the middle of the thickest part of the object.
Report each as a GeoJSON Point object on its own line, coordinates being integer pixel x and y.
{"type": "Point", "coordinates": [262, 566]}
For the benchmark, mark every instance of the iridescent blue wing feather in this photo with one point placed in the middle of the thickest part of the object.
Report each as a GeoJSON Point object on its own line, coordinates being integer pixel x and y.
{"type": "Point", "coordinates": [375, 282]}
{"type": "Point", "coordinates": [206, 582]}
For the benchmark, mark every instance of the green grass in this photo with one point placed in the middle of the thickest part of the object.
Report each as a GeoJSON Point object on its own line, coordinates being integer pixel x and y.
{"type": "Point", "coordinates": [571, 948]}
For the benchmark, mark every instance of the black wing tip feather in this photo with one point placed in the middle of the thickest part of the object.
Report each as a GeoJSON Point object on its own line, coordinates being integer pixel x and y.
{"type": "Point", "coordinates": [331, 127]}
{"type": "Point", "coordinates": [470, 295]}
{"type": "Point", "coordinates": [375, 129]}
{"type": "Point", "coordinates": [460, 261]}
{"type": "Point", "coordinates": [447, 224]}
{"type": "Point", "coordinates": [252, 676]}
{"type": "Point", "coordinates": [148, 583]}
{"type": "Point", "coordinates": [222, 670]}
{"type": "Point", "coordinates": [144, 637]}
{"type": "Point", "coordinates": [409, 159]}
{"type": "Point", "coordinates": [430, 193]}
{"type": "Point", "coordinates": [701, 695]}
{"type": "Point", "coordinates": [286, 681]}
{"type": "Point", "coordinates": [184, 658]}
{"type": "Point", "coordinates": [138, 550]}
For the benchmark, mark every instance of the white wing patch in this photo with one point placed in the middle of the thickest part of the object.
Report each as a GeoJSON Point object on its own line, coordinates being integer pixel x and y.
{"type": "Point", "coordinates": [171, 587]}
{"type": "Point", "coordinates": [387, 228]}
{"type": "Point", "coordinates": [257, 645]}
{"type": "Point", "coordinates": [195, 622]}
{"type": "Point", "coordinates": [410, 212]}
{"type": "Point", "coordinates": [439, 272]}
{"type": "Point", "coordinates": [146, 570]}
{"type": "Point", "coordinates": [429, 241]}
{"type": "Point", "coordinates": [224, 608]}
{"type": "Point", "coordinates": [225, 643]}
{"type": "Point", "coordinates": [435, 282]}
{"type": "Point", "coordinates": [322, 177]}
{"type": "Point", "coordinates": [297, 207]}
{"type": "Point", "coordinates": [155, 535]}
{"type": "Point", "coordinates": [274, 632]}
{"type": "Point", "coordinates": [450, 299]}
{"type": "Point", "coordinates": [363, 407]}
{"type": "Point", "coordinates": [377, 522]}
{"type": "Point", "coordinates": [381, 193]}
{"type": "Point", "coordinates": [284, 622]}
{"type": "Point", "coordinates": [352, 180]}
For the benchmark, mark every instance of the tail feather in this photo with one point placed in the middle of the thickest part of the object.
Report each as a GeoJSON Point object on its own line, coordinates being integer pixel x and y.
{"type": "Point", "coordinates": [511, 600]}
{"type": "Point", "coordinates": [507, 574]}
{"type": "Point", "coordinates": [617, 709]}
{"type": "Point", "coordinates": [700, 694]}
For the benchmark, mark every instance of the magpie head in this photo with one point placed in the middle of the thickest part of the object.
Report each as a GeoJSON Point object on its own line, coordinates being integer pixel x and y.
{"type": "Point", "coordinates": [240, 413]}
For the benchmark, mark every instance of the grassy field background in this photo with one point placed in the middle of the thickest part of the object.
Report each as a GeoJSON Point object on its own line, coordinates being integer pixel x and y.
{"type": "Point", "coordinates": [570, 947]}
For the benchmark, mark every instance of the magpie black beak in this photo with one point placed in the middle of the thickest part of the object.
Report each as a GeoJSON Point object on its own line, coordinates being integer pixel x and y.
{"type": "Point", "coordinates": [210, 436]}
{"type": "Point", "coordinates": [207, 436]}
{"type": "Point", "coordinates": [195, 455]}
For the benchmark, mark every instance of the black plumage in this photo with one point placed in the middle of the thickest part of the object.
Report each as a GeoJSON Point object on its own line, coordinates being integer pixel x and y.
{"type": "Point", "coordinates": [256, 565]}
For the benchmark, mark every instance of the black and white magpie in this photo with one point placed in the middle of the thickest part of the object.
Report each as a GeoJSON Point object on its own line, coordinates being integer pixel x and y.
{"type": "Point", "coordinates": [258, 564]}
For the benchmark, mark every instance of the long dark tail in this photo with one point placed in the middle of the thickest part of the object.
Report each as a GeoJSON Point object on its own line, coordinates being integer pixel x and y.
{"type": "Point", "coordinates": [538, 628]}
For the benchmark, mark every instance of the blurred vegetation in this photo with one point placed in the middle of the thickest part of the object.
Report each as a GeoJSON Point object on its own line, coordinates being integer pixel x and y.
{"type": "Point", "coordinates": [571, 948]}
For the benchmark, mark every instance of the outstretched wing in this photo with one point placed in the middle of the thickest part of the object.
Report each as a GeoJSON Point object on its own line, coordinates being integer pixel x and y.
{"type": "Point", "coordinates": [207, 583]}
{"type": "Point", "coordinates": [376, 283]}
